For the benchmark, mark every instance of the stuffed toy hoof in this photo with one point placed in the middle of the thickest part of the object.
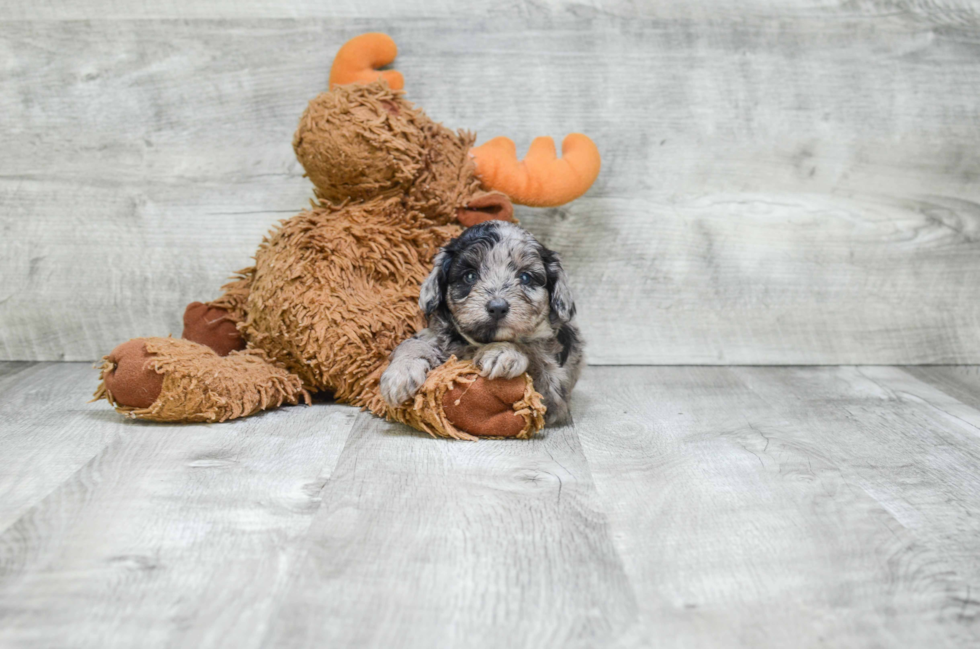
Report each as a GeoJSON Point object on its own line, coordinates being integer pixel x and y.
{"type": "Point", "coordinates": [171, 379]}
{"type": "Point", "coordinates": [128, 381]}
{"type": "Point", "coordinates": [212, 327]}
{"type": "Point", "coordinates": [485, 407]}
{"type": "Point", "coordinates": [457, 402]}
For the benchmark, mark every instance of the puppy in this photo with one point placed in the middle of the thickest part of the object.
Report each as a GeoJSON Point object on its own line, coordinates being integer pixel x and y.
{"type": "Point", "coordinates": [498, 297]}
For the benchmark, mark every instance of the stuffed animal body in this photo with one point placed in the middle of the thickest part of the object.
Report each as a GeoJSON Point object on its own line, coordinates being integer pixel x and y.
{"type": "Point", "coordinates": [335, 288]}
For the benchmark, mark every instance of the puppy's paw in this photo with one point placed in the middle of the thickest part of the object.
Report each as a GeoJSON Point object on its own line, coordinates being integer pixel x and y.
{"type": "Point", "coordinates": [558, 413]}
{"type": "Point", "coordinates": [500, 361]}
{"type": "Point", "coordinates": [402, 380]}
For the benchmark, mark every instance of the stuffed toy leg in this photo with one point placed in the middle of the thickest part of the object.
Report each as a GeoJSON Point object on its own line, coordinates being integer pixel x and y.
{"type": "Point", "coordinates": [171, 379]}
{"type": "Point", "coordinates": [178, 380]}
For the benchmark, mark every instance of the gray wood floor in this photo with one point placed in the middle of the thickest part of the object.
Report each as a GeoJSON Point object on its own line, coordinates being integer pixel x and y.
{"type": "Point", "coordinates": [688, 506]}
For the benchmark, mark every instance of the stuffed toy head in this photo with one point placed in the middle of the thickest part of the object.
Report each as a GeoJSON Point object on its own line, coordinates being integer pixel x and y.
{"type": "Point", "coordinates": [363, 139]}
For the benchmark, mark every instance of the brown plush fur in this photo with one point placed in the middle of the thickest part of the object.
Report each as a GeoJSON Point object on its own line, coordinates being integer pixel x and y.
{"type": "Point", "coordinates": [335, 288]}
{"type": "Point", "coordinates": [365, 141]}
{"type": "Point", "coordinates": [199, 385]}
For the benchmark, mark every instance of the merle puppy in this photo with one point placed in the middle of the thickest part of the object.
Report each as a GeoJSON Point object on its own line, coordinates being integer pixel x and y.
{"type": "Point", "coordinates": [498, 297]}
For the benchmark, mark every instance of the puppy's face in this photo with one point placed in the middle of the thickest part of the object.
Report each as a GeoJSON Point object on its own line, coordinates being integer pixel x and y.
{"type": "Point", "coordinates": [497, 283]}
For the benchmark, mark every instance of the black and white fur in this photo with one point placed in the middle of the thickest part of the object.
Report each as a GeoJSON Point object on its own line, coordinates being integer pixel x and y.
{"type": "Point", "coordinates": [500, 298]}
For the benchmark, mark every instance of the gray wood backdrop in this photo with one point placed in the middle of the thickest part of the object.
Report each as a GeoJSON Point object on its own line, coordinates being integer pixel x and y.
{"type": "Point", "coordinates": [783, 182]}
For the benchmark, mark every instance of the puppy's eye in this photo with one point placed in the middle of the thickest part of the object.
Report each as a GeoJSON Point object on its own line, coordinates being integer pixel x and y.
{"type": "Point", "coordinates": [469, 277]}
{"type": "Point", "coordinates": [526, 279]}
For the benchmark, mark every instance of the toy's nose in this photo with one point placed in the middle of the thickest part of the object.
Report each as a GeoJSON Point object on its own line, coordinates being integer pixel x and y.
{"type": "Point", "coordinates": [498, 308]}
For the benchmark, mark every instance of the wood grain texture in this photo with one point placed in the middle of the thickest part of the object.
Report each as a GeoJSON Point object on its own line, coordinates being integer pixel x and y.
{"type": "Point", "coordinates": [46, 432]}
{"type": "Point", "coordinates": [201, 536]}
{"type": "Point", "coordinates": [954, 12]}
{"type": "Point", "coordinates": [424, 544]}
{"type": "Point", "coordinates": [961, 381]}
{"type": "Point", "coordinates": [167, 535]}
{"type": "Point", "coordinates": [797, 184]}
{"type": "Point", "coordinates": [688, 507]}
{"type": "Point", "coordinates": [771, 507]}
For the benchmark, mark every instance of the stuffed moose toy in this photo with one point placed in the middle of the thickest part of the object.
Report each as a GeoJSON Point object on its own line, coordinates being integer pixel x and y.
{"type": "Point", "coordinates": [335, 288]}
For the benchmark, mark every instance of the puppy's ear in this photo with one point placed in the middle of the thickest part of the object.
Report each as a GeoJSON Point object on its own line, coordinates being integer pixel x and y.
{"type": "Point", "coordinates": [560, 294]}
{"type": "Point", "coordinates": [433, 292]}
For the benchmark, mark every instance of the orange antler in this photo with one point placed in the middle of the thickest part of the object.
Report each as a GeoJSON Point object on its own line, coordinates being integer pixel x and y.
{"type": "Point", "coordinates": [542, 179]}
{"type": "Point", "coordinates": [360, 57]}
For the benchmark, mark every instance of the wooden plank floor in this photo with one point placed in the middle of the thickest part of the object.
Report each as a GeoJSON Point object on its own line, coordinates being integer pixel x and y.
{"type": "Point", "coordinates": [688, 506]}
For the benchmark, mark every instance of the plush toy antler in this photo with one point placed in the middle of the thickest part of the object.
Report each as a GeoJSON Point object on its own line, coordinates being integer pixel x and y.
{"type": "Point", "coordinates": [359, 59]}
{"type": "Point", "coordinates": [541, 179]}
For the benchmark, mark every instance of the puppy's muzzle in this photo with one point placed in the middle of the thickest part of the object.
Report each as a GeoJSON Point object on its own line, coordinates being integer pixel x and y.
{"type": "Point", "coordinates": [498, 308]}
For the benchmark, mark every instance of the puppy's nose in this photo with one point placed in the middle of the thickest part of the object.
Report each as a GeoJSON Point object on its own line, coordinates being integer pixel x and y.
{"type": "Point", "coordinates": [498, 308]}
